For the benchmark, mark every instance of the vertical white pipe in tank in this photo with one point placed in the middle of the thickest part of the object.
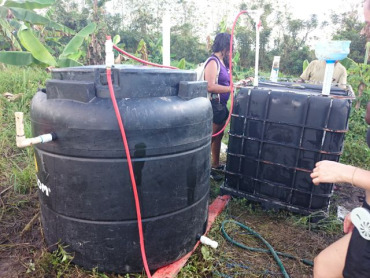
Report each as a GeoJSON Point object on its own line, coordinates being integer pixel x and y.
{"type": "Point", "coordinates": [166, 38]}
{"type": "Point", "coordinates": [256, 14]}
{"type": "Point", "coordinates": [255, 82]}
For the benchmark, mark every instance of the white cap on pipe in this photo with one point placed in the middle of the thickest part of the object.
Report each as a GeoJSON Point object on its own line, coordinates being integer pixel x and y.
{"type": "Point", "coordinates": [207, 241]}
{"type": "Point", "coordinates": [109, 55]}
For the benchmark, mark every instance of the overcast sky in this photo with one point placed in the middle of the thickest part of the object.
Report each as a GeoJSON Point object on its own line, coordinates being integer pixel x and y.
{"type": "Point", "coordinates": [320, 7]}
{"type": "Point", "coordinates": [209, 13]}
{"type": "Point", "coordinates": [303, 9]}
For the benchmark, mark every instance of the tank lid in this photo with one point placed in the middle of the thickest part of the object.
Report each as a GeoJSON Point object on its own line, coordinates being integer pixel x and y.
{"type": "Point", "coordinates": [128, 82]}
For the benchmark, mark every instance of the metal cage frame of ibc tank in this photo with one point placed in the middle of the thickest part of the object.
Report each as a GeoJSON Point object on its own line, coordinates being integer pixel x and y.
{"type": "Point", "coordinates": [235, 180]}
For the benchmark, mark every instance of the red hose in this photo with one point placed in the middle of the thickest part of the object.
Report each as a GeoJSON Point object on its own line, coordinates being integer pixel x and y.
{"type": "Point", "coordinates": [124, 139]}
{"type": "Point", "coordinates": [231, 75]}
{"type": "Point", "coordinates": [140, 60]}
{"type": "Point", "coordinates": [132, 176]}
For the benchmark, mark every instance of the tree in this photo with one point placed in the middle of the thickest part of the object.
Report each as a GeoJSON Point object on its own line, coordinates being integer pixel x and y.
{"type": "Point", "coordinates": [246, 37]}
{"type": "Point", "coordinates": [184, 44]}
{"type": "Point", "coordinates": [76, 16]}
{"type": "Point", "coordinates": [291, 41]}
{"type": "Point", "coordinates": [349, 27]}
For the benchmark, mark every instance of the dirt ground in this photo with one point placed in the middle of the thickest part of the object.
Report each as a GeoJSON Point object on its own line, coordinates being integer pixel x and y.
{"type": "Point", "coordinates": [285, 234]}
{"type": "Point", "coordinates": [22, 247]}
{"type": "Point", "coordinates": [19, 243]}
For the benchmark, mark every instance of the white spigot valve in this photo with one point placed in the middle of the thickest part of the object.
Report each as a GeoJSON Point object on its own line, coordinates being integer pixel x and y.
{"type": "Point", "coordinates": [109, 55]}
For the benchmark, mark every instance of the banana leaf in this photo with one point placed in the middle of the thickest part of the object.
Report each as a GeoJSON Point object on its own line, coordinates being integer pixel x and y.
{"type": "Point", "coordinates": [75, 43]}
{"type": "Point", "coordinates": [3, 12]}
{"type": "Point", "coordinates": [33, 45]}
{"type": "Point", "coordinates": [17, 58]}
{"type": "Point", "coordinates": [66, 63]}
{"type": "Point", "coordinates": [236, 57]}
{"type": "Point", "coordinates": [34, 18]}
{"type": "Point", "coordinates": [181, 64]}
{"type": "Point", "coordinates": [348, 63]}
{"type": "Point", "coordinates": [305, 64]}
{"type": "Point", "coordinates": [76, 56]}
{"type": "Point", "coordinates": [116, 39]}
{"type": "Point", "coordinates": [29, 4]}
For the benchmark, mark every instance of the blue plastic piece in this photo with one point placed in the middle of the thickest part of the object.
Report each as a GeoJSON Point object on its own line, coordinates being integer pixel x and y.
{"type": "Point", "coordinates": [332, 50]}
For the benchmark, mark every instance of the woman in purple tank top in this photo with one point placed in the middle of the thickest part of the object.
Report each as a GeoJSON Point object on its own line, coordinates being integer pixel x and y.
{"type": "Point", "coordinates": [217, 74]}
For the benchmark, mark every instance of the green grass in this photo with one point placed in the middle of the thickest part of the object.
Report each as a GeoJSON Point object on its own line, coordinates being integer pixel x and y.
{"type": "Point", "coordinates": [16, 165]}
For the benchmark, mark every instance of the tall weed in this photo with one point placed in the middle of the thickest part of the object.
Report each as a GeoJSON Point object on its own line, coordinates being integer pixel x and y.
{"type": "Point", "coordinates": [16, 165]}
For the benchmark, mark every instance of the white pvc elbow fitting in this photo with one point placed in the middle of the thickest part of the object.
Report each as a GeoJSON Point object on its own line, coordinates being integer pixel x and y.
{"type": "Point", "coordinates": [207, 241]}
{"type": "Point", "coordinates": [21, 139]}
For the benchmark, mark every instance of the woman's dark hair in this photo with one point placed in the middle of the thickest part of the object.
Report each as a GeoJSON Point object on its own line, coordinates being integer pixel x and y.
{"type": "Point", "coordinates": [222, 42]}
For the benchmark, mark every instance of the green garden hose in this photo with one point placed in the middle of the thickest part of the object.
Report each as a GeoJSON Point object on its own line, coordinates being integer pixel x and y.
{"type": "Point", "coordinates": [269, 250]}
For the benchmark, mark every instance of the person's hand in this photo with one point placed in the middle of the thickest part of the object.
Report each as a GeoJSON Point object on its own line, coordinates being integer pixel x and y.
{"type": "Point", "coordinates": [328, 172]}
{"type": "Point", "coordinates": [347, 224]}
{"type": "Point", "coordinates": [244, 82]}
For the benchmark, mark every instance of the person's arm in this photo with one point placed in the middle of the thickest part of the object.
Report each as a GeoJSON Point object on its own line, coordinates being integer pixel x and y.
{"type": "Point", "coordinates": [367, 116]}
{"type": "Point", "coordinates": [210, 74]}
{"type": "Point", "coordinates": [329, 171]}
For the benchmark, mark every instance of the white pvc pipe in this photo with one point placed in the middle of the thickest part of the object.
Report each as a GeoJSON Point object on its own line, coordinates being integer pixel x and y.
{"type": "Point", "coordinates": [21, 139]}
{"type": "Point", "coordinates": [255, 82]}
{"type": "Point", "coordinates": [166, 39]}
{"type": "Point", "coordinates": [328, 77]}
{"type": "Point", "coordinates": [109, 55]}
{"type": "Point", "coordinates": [256, 15]}
{"type": "Point", "coordinates": [207, 241]}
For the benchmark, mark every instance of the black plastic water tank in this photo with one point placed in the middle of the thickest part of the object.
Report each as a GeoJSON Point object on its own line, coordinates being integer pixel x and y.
{"type": "Point", "coordinates": [85, 191]}
{"type": "Point", "coordinates": [278, 132]}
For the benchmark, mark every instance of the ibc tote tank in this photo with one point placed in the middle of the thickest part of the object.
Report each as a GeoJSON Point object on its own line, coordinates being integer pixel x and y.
{"type": "Point", "coordinates": [85, 191]}
{"type": "Point", "coordinates": [278, 132]}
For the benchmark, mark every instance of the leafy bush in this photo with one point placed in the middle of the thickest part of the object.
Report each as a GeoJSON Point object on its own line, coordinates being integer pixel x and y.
{"type": "Point", "coordinates": [356, 152]}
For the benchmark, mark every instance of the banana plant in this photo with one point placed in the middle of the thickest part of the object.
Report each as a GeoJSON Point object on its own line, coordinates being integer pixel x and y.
{"type": "Point", "coordinates": [348, 63]}
{"type": "Point", "coordinates": [305, 65]}
{"type": "Point", "coordinates": [15, 12]}
{"type": "Point", "coordinates": [181, 64]}
{"type": "Point", "coordinates": [37, 53]}
{"type": "Point", "coordinates": [16, 19]}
